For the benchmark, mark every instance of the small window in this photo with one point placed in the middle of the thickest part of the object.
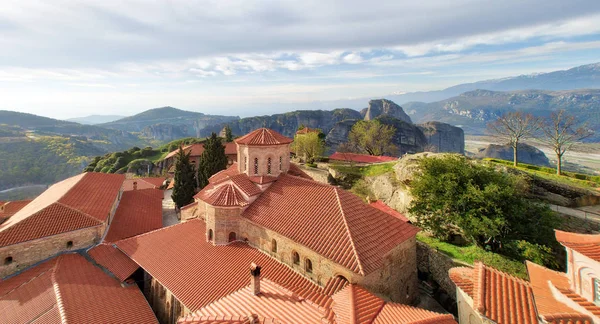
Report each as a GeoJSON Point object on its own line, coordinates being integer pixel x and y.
{"type": "Point", "coordinates": [69, 244]}
{"type": "Point", "coordinates": [280, 163]}
{"type": "Point", "coordinates": [596, 291]}
{"type": "Point", "coordinates": [210, 234]}
{"type": "Point", "coordinates": [407, 292]}
{"type": "Point", "coordinates": [255, 165]}
{"type": "Point", "coordinates": [245, 163]}
{"type": "Point", "coordinates": [232, 237]}
{"type": "Point", "coordinates": [295, 258]}
{"type": "Point", "coordinates": [273, 245]}
{"type": "Point", "coordinates": [308, 265]}
{"type": "Point", "coordinates": [8, 260]}
{"type": "Point", "coordinates": [269, 166]}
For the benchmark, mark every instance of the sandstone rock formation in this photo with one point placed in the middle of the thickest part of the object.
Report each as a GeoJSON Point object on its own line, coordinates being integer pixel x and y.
{"type": "Point", "coordinates": [526, 154]}
{"type": "Point", "coordinates": [384, 107]}
{"type": "Point", "coordinates": [442, 137]}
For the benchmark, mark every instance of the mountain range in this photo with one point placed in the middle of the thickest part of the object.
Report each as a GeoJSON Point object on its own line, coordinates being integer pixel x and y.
{"type": "Point", "coordinates": [40, 150]}
{"type": "Point", "coordinates": [95, 119]}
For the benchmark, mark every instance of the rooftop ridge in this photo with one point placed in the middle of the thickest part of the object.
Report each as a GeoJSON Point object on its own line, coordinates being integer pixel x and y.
{"type": "Point", "coordinates": [354, 250]}
{"type": "Point", "coordinates": [59, 301]}
{"type": "Point", "coordinates": [576, 238]}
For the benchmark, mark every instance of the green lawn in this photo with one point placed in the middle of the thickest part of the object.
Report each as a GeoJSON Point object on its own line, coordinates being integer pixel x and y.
{"type": "Point", "coordinates": [569, 178]}
{"type": "Point", "coordinates": [371, 170]}
{"type": "Point", "coordinates": [471, 253]}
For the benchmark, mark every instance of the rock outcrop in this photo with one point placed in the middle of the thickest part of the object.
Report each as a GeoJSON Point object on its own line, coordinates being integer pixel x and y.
{"type": "Point", "coordinates": [526, 154]}
{"type": "Point", "coordinates": [408, 137]}
{"type": "Point", "coordinates": [339, 133]}
{"type": "Point", "coordinates": [165, 132]}
{"type": "Point", "coordinates": [384, 107]}
{"type": "Point", "coordinates": [442, 137]}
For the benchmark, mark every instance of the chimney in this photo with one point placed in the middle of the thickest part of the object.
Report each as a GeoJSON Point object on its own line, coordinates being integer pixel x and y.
{"type": "Point", "coordinates": [135, 185]}
{"type": "Point", "coordinates": [255, 278]}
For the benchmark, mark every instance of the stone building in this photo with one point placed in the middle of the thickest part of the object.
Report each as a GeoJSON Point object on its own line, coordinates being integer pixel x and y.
{"type": "Point", "coordinates": [313, 242]}
{"type": "Point", "coordinates": [486, 295]}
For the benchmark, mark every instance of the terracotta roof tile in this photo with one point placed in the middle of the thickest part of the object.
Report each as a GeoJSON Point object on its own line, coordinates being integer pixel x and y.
{"type": "Point", "coordinates": [263, 179]}
{"type": "Point", "coordinates": [389, 210]}
{"type": "Point", "coordinates": [225, 195]}
{"type": "Point", "coordinates": [586, 244]}
{"type": "Point", "coordinates": [263, 136]}
{"type": "Point", "coordinates": [334, 285]}
{"type": "Point", "coordinates": [139, 212]}
{"type": "Point", "coordinates": [54, 219]}
{"type": "Point", "coordinates": [463, 279]}
{"type": "Point", "coordinates": [71, 289]}
{"type": "Point", "coordinates": [355, 305]}
{"type": "Point", "coordinates": [12, 207]}
{"type": "Point", "coordinates": [113, 260]}
{"type": "Point", "coordinates": [246, 185]}
{"type": "Point", "coordinates": [231, 171]}
{"type": "Point", "coordinates": [361, 158]}
{"type": "Point", "coordinates": [143, 183]}
{"type": "Point", "coordinates": [501, 297]}
{"type": "Point", "coordinates": [274, 301]}
{"type": "Point", "coordinates": [180, 258]}
{"type": "Point", "coordinates": [330, 221]}
{"type": "Point", "coordinates": [548, 307]}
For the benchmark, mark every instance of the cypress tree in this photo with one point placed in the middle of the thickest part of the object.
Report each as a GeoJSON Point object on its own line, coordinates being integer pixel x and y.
{"type": "Point", "coordinates": [184, 187]}
{"type": "Point", "coordinates": [212, 160]}
{"type": "Point", "coordinates": [228, 134]}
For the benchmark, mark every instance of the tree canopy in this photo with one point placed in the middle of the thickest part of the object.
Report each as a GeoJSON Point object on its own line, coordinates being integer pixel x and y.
{"type": "Point", "coordinates": [308, 146]}
{"type": "Point", "coordinates": [372, 137]}
{"type": "Point", "coordinates": [453, 195]}
{"type": "Point", "coordinates": [185, 184]}
{"type": "Point", "coordinates": [228, 134]}
{"type": "Point", "coordinates": [212, 160]}
{"type": "Point", "coordinates": [514, 127]}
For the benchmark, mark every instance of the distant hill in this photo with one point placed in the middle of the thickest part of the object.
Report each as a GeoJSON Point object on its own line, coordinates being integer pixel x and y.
{"type": "Point", "coordinates": [474, 109]}
{"type": "Point", "coordinates": [95, 119]}
{"type": "Point", "coordinates": [168, 123]}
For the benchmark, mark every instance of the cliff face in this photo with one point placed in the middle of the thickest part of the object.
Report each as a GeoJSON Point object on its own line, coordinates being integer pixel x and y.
{"type": "Point", "coordinates": [443, 137]}
{"type": "Point", "coordinates": [166, 132]}
{"type": "Point", "coordinates": [288, 123]}
{"type": "Point", "coordinates": [384, 107]}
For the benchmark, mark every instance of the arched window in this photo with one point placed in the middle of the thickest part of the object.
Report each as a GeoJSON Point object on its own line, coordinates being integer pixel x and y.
{"type": "Point", "coordinates": [296, 258]}
{"type": "Point", "coordinates": [232, 237]}
{"type": "Point", "coordinates": [255, 165]}
{"type": "Point", "coordinates": [8, 260]}
{"type": "Point", "coordinates": [280, 163]}
{"type": "Point", "coordinates": [245, 163]}
{"type": "Point", "coordinates": [69, 244]}
{"type": "Point", "coordinates": [273, 245]}
{"type": "Point", "coordinates": [210, 234]}
{"type": "Point", "coordinates": [308, 265]}
{"type": "Point", "coordinates": [269, 166]}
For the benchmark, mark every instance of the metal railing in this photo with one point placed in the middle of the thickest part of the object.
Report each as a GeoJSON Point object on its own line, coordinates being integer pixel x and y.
{"type": "Point", "coordinates": [587, 215]}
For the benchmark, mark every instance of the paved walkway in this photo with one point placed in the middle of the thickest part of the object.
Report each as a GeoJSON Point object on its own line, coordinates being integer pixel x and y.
{"type": "Point", "coordinates": [169, 215]}
{"type": "Point", "coordinates": [580, 213]}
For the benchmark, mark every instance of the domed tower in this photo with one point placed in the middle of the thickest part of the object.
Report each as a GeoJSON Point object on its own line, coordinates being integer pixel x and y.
{"type": "Point", "coordinates": [263, 153]}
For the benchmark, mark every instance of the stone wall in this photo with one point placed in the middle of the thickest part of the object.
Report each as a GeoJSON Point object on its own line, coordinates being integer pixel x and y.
{"type": "Point", "coordinates": [164, 304]}
{"type": "Point", "coordinates": [277, 153]}
{"type": "Point", "coordinates": [28, 253]}
{"type": "Point", "coordinates": [222, 222]}
{"type": "Point", "coordinates": [436, 265]}
{"type": "Point", "coordinates": [319, 175]}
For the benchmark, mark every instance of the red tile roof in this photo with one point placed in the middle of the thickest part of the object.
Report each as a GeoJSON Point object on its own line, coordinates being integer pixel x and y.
{"type": "Point", "coordinates": [263, 136]}
{"type": "Point", "coordinates": [263, 179]}
{"type": "Point", "coordinates": [113, 260]}
{"type": "Point", "coordinates": [12, 207]}
{"type": "Point", "coordinates": [330, 221]}
{"type": "Point", "coordinates": [274, 302]}
{"type": "Point", "coordinates": [198, 273]}
{"type": "Point", "coordinates": [355, 305]}
{"type": "Point", "coordinates": [586, 244]}
{"type": "Point", "coordinates": [225, 195]}
{"type": "Point", "coordinates": [463, 279]}
{"type": "Point", "coordinates": [389, 210]}
{"type": "Point", "coordinates": [139, 211]}
{"type": "Point", "coordinates": [361, 158]}
{"type": "Point", "coordinates": [549, 308]}
{"type": "Point", "coordinates": [198, 148]}
{"type": "Point", "coordinates": [501, 297]}
{"type": "Point", "coordinates": [143, 183]}
{"type": "Point", "coordinates": [296, 171]}
{"type": "Point", "coordinates": [73, 288]}
{"type": "Point", "coordinates": [231, 171]}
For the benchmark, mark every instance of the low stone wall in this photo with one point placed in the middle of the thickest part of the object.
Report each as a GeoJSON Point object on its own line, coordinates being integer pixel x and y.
{"type": "Point", "coordinates": [436, 265]}
{"type": "Point", "coordinates": [319, 175]}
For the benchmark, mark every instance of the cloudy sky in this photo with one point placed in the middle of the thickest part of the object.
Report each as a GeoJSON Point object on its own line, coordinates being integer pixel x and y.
{"type": "Point", "coordinates": [74, 58]}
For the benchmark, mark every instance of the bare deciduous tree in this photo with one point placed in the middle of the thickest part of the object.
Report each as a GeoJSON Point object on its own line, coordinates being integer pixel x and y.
{"type": "Point", "coordinates": [514, 127]}
{"type": "Point", "coordinates": [561, 132]}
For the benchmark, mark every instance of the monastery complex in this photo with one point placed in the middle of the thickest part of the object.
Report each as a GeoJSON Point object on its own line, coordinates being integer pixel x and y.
{"type": "Point", "coordinates": [262, 243]}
